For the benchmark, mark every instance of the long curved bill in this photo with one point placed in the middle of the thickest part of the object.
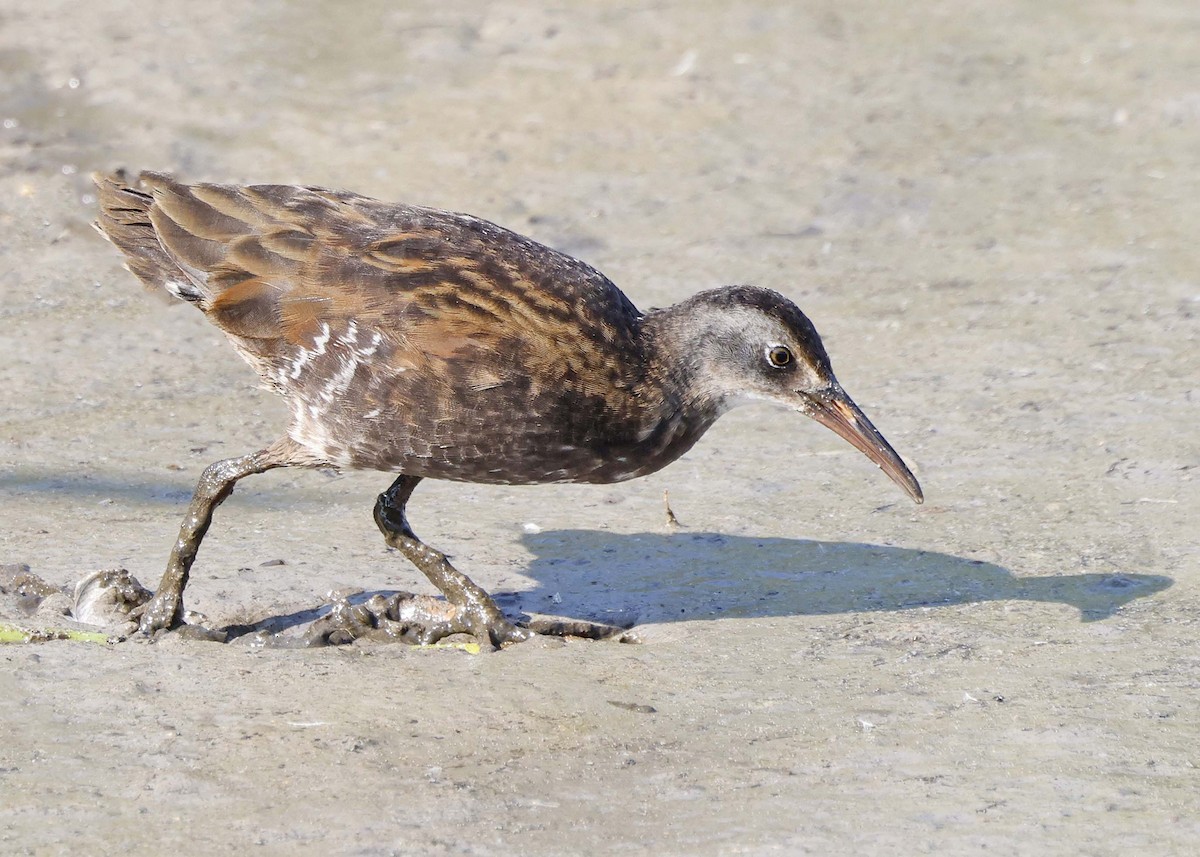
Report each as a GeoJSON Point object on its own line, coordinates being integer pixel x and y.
{"type": "Point", "coordinates": [835, 410]}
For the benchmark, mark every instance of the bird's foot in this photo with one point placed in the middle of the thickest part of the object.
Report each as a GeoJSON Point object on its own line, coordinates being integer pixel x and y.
{"type": "Point", "coordinates": [416, 619]}
{"type": "Point", "coordinates": [425, 620]}
{"type": "Point", "coordinates": [487, 623]}
{"type": "Point", "coordinates": [163, 614]}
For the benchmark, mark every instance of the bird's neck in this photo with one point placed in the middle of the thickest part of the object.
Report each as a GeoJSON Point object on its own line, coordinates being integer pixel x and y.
{"type": "Point", "coordinates": [674, 348]}
{"type": "Point", "coordinates": [672, 406]}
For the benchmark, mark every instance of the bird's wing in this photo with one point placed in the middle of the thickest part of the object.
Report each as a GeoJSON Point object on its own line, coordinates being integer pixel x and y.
{"type": "Point", "coordinates": [280, 266]}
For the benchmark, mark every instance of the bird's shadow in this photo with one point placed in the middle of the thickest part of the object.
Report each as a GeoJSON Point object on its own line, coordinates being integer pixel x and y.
{"type": "Point", "coordinates": [656, 577]}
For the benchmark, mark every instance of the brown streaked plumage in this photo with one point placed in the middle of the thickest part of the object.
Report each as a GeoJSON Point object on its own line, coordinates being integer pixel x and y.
{"type": "Point", "coordinates": [439, 345]}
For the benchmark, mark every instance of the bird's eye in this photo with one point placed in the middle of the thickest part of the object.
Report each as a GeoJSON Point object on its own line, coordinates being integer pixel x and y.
{"type": "Point", "coordinates": [780, 356]}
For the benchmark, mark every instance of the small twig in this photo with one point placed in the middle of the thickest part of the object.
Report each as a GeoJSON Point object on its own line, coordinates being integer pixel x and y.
{"type": "Point", "coordinates": [672, 521]}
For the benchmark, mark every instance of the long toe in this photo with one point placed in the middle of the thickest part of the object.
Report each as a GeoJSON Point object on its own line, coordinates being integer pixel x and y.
{"type": "Point", "coordinates": [582, 628]}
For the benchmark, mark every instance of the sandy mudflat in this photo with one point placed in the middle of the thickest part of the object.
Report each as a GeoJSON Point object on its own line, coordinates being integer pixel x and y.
{"type": "Point", "coordinates": [990, 210]}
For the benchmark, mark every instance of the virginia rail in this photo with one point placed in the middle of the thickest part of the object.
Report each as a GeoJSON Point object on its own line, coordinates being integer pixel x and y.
{"type": "Point", "coordinates": [438, 345]}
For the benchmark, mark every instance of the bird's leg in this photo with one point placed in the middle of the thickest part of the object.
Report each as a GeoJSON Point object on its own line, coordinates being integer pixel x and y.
{"type": "Point", "coordinates": [165, 610]}
{"type": "Point", "coordinates": [477, 613]}
{"type": "Point", "coordinates": [471, 610]}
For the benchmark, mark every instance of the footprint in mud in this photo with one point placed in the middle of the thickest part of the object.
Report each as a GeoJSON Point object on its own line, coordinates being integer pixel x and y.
{"type": "Point", "coordinates": [102, 599]}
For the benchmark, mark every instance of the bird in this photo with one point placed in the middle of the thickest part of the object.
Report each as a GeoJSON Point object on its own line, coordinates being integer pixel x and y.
{"type": "Point", "coordinates": [428, 344]}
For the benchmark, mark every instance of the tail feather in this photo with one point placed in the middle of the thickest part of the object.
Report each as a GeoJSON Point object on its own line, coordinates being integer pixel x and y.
{"type": "Point", "coordinates": [125, 220]}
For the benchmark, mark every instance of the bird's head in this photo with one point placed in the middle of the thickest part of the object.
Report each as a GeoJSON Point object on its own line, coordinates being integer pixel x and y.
{"type": "Point", "coordinates": [743, 343]}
